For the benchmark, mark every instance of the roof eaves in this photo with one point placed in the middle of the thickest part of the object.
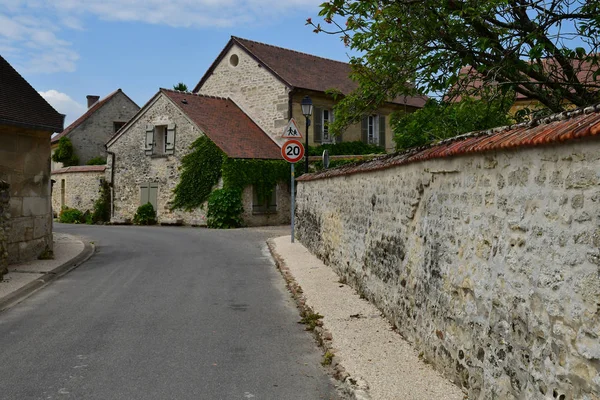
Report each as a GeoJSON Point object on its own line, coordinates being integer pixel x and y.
{"type": "Point", "coordinates": [51, 129]}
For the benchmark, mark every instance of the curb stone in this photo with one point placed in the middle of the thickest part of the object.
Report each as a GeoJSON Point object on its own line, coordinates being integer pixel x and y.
{"type": "Point", "coordinates": [353, 388]}
{"type": "Point", "coordinates": [23, 292]}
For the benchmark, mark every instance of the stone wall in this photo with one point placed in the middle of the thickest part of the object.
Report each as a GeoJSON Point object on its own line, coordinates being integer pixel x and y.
{"type": "Point", "coordinates": [4, 225]}
{"type": "Point", "coordinates": [76, 187]}
{"type": "Point", "coordinates": [254, 89]}
{"type": "Point", "coordinates": [91, 135]}
{"type": "Point", "coordinates": [25, 166]}
{"type": "Point", "coordinates": [281, 217]}
{"type": "Point", "coordinates": [488, 263]}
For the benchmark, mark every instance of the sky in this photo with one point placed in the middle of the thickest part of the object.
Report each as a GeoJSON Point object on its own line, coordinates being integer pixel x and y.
{"type": "Point", "coordinates": [67, 49]}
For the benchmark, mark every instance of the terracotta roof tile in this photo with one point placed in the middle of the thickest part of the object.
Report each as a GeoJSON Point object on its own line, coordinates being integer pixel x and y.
{"type": "Point", "coordinates": [226, 125]}
{"type": "Point", "coordinates": [558, 128]}
{"type": "Point", "coordinates": [21, 104]}
{"type": "Point", "coordinates": [86, 115]}
{"type": "Point", "coordinates": [80, 168]}
{"type": "Point", "coordinates": [302, 70]}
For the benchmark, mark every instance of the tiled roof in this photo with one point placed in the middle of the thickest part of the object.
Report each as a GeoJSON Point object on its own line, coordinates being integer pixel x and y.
{"type": "Point", "coordinates": [301, 70]}
{"type": "Point", "coordinates": [226, 125]}
{"type": "Point", "coordinates": [21, 104]}
{"type": "Point", "coordinates": [557, 128]}
{"type": "Point", "coordinates": [80, 168]}
{"type": "Point", "coordinates": [90, 111]}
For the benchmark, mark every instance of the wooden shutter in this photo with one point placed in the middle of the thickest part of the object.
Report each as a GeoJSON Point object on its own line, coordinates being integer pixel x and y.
{"type": "Point", "coordinates": [338, 138]}
{"type": "Point", "coordinates": [144, 191]}
{"type": "Point", "coordinates": [149, 143]}
{"type": "Point", "coordinates": [170, 145]}
{"type": "Point", "coordinates": [382, 131]}
{"type": "Point", "coordinates": [317, 125]}
{"type": "Point", "coordinates": [153, 195]}
{"type": "Point", "coordinates": [364, 128]}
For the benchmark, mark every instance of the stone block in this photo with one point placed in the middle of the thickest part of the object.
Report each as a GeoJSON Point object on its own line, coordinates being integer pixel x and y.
{"type": "Point", "coordinates": [36, 206]}
{"type": "Point", "coordinates": [21, 229]}
{"type": "Point", "coordinates": [42, 226]}
{"type": "Point", "coordinates": [30, 250]}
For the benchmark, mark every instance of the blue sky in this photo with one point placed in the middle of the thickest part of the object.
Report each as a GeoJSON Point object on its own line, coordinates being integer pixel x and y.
{"type": "Point", "coordinates": [67, 49]}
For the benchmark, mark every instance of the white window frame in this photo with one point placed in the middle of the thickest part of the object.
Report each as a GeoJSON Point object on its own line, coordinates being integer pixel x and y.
{"type": "Point", "coordinates": [325, 136]}
{"type": "Point", "coordinates": [373, 129]}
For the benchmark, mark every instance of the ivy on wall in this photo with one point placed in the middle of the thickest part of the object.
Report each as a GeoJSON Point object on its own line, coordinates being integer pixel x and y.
{"type": "Point", "coordinates": [262, 174]}
{"type": "Point", "coordinates": [65, 153]}
{"type": "Point", "coordinates": [201, 170]}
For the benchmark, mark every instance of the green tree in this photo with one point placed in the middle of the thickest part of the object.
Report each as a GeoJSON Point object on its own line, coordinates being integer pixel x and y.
{"type": "Point", "coordinates": [182, 87]}
{"type": "Point", "coordinates": [543, 49]}
{"type": "Point", "coordinates": [65, 153]}
{"type": "Point", "coordinates": [438, 120]}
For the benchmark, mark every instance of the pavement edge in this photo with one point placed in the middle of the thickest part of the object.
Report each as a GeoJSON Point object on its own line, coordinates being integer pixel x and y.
{"type": "Point", "coordinates": [323, 337]}
{"type": "Point", "coordinates": [23, 292]}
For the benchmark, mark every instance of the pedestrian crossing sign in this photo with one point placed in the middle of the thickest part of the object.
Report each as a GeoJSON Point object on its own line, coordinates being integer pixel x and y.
{"type": "Point", "coordinates": [291, 131]}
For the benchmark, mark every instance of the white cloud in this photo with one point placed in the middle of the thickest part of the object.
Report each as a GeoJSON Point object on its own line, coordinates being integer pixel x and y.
{"type": "Point", "coordinates": [64, 105]}
{"type": "Point", "coordinates": [37, 27]}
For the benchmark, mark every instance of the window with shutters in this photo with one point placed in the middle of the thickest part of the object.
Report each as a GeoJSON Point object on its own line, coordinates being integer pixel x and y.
{"type": "Point", "coordinates": [264, 206]}
{"type": "Point", "coordinates": [160, 139]}
{"type": "Point", "coordinates": [322, 118]}
{"type": "Point", "coordinates": [373, 130]}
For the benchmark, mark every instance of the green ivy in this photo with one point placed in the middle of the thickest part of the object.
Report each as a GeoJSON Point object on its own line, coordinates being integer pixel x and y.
{"type": "Point", "coordinates": [97, 161]}
{"type": "Point", "coordinates": [201, 170]}
{"type": "Point", "coordinates": [345, 148]}
{"type": "Point", "coordinates": [102, 204]}
{"type": "Point", "coordinates": [262, 174]}
{"type": "Point", "coordinates": [65, 153]}
{"type": "Point", "coordinates": [225, 209]}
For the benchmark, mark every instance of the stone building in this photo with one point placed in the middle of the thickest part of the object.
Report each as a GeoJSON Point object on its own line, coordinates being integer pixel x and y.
{"type": "Point", "coordinates": [76, 187]}
{"type": "Point", "coordinates": [27, 122]}
{"type": "Point", "coordinates": [269, 83]}
{"type": "Point", "coordinates": [144, 157]}
{"type": "Point", "coordinates": [90, 132]}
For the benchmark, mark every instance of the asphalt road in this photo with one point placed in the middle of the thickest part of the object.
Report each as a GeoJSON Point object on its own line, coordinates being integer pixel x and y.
{"type": "Point", "coordinates": [163, 313]}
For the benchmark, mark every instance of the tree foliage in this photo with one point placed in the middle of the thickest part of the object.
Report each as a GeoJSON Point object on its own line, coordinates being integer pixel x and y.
{"type": "Point", "coordinates": [65, 153]}
{"type": "Point", "coordinates": [182, 87]}
{"type": "Point", "coordinates": [544, 50]}
{"type": "Point", "coordinates": [438, 120]}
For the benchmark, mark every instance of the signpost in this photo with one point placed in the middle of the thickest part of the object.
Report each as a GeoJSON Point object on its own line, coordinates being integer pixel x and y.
{"type": "Point", "coordinates": [292, 151]}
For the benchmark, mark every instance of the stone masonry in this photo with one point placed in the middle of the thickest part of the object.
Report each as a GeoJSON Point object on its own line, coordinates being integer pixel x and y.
{"type": "Point", "coordinates": [4, 227]}
{"type": "Point", "coordinates": [489, 263]}
{"type": "Point", "coordinates": [76, 187]}
{"type": "Point", "coordinates": [253, 88]}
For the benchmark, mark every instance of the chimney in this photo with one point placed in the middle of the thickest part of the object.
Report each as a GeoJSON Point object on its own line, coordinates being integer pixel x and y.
{"type": "Point", "coordinates": [92, 99]}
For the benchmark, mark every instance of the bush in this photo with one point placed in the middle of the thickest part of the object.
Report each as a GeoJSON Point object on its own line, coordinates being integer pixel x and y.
{"type": "Point", "coordinates": [145, 215]}
{"type": "Point", "coordinates": [65, 153]}
{"type": "Point", "coordinates": [71, 216]}
{"type": "Point", "coordinates": [97, 161]}
{"type": "Point", "coordinates": [346, 149]}
{"type": "Point", "coordinates": [102, 205]}
{"type": "Point", "coordinates": [225, 209]}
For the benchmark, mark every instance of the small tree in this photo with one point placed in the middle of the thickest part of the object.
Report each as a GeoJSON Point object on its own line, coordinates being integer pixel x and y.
{"type": "Point", "coordinates": [65, 153]}
{"type": "Point", "coordinates": [182, 87]}
{"type": "Point", "coordinates": [97, 161]}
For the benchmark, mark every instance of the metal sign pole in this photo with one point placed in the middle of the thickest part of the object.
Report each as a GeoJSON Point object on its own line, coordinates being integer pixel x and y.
{"type": "Point", "coordinates": [293, 201]}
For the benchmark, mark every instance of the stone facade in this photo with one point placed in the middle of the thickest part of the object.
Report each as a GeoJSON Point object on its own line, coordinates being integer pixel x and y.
{"type": "Point", "coordinates": [76, 187]}
{"type": "Point", "coordinates": [253, 88]}
{"type": "Point", "coordinates": [488, 263]}
{"type": "Point", "coordinates": [25, 166]}
{"type": "Point", "coordinates": [4, 225]}
{"type": "Point", "coordinates": [281, 217]}
{"type": "Point", "coordinates": [90, 136]}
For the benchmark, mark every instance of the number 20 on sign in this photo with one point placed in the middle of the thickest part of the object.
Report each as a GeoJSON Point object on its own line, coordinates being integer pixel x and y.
{"type": "Point", "coordinates": [292, 151]}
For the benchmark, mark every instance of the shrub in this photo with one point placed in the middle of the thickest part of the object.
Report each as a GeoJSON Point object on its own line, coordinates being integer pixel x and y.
{"type": "Point", "coordinates": [65, 153]}
{"type": "Point", "coordinates": [102, 205]}
{"type": "Point", "coordinates": [145, 215]}
{"type": "Point", "coordinates": [225, 209]}
{"type": "Point", "coordinates": [346, 149]}
{"type": "Point", "coordinates": [71, 216]}
{"type": "Point", "coordinates": [97, 161]}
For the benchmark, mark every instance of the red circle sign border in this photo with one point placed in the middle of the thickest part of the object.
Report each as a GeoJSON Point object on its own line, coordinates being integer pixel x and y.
{"type": "Point", "coordinates": [286, 157]}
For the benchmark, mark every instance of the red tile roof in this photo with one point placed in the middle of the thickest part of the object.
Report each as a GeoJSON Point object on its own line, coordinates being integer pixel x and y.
{"type": "Point", "coordinates": [80, 168]}
{"type": "Point", "coordinates": [301, 70]}
{"type": "Point", "coordinates": [557, 128]}
{"type": "Point", "coordinates": [90, 111]}
{"type": "Point", "coordinates": [21, 104]}
{"type": "Point", "coordinates": [226, 125]}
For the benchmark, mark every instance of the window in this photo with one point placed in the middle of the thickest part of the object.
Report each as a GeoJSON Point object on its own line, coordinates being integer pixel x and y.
{"type": "Point", "coordinates": [117, 126]}
{"type": "Point", "coordinates": [373, 130]}
{"type": "Point", "coordinates": [322, 118]}
{"type": "Point", "coordinates": [160, 139]}
{"type": "Point", "coordinates": [266, 205]}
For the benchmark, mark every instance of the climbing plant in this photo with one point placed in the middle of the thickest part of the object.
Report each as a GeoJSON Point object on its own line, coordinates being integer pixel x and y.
{"type": "Point", "coordinates": [101, 211]}
{"type": "Point", "coordinates": [262, 174]}
{"type": "Point", "coordinates": [201, 170]}
{"type": "Point", "coordinates": [225, 209]}
{"type": "Point", "coordinates": [65, 153]}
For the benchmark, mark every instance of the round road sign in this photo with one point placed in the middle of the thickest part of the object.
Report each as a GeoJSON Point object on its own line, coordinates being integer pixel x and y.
{"type": "Point", "coordinates": [292, 151]}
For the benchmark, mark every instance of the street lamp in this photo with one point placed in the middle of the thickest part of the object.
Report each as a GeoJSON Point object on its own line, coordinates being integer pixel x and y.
{"type": "Point", "coordinates": [307, 112]}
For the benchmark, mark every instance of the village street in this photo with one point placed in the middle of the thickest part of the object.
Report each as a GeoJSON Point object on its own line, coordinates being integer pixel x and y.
{"type": "Point", "coordinates": [163, 313]}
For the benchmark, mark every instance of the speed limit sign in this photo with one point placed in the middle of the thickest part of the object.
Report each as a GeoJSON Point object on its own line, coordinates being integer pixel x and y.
{"type": "Point", "coordinates": [292, 151]}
